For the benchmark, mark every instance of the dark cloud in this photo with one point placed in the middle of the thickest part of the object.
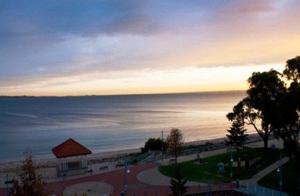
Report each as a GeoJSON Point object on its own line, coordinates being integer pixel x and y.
{"type": "Point", "coordinates": [20, 17]}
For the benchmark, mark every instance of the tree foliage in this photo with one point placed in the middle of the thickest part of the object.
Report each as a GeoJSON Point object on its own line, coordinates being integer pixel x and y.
{"type": "Point", "coordinates": [292, 69]}
{"type": "Point", "coordinates": [259, 107]}
{"type": "Point", "coordinates": [272, 106]}
{"type": "Point", "coordinates": [178, 183]}
{"type": "Point", "coordinates": [153, 144]}
{"type": "Point", "coordinates": [175, 142]}
{"type": "Point", "coordinates": [29, 184]}
{"type": "Point", "coordinates": [285, 122]}
{"type": "Point", "coordinates": [237, 135]}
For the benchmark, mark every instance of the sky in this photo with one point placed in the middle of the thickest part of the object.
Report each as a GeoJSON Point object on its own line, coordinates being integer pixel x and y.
{"type": "Point", "coordinates": [95, 47]}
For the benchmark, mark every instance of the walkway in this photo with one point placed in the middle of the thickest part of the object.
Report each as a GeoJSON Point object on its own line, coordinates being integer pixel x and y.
{"type": "Point", "coordinates": [264, 172]}
{"type": "Point", "coordinates": [90, 188]}
{"type": "Point", "coordinates": [154, 177]}
{"type": "Point", "coordinates": [115, 179]}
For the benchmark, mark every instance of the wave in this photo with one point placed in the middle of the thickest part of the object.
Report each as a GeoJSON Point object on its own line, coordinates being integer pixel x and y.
{"type": "Point", "coordinates": [22, 115]}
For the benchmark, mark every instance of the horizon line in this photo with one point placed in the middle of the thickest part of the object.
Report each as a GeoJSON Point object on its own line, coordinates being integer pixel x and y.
{"type": "Point", "coordinates": [130, 94]}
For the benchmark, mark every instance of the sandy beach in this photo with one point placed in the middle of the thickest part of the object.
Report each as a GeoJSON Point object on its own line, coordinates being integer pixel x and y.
{"type": "Point", "coordinates": [108, 156]}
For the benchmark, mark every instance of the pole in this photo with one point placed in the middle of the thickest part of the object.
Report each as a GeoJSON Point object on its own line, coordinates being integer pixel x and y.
{"type": "Point", "coordinates": [231, 162]}
{"type": "Point", "coordinates": [7, 191]}
{"type": "Point", "coordinates": [280, 173]}
{"type": "Point", "coordinates": [125, 177]}
{"type": "Point", "coordinates": [162, 145]}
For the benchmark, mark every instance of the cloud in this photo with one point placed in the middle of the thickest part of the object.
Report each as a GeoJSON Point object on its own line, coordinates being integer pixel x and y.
{"type": "Point", "coordinates": [54, 39]}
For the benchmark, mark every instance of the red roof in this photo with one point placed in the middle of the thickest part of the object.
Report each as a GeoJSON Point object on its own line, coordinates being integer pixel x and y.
{"type": "Point", "coordinates": [70, 148]}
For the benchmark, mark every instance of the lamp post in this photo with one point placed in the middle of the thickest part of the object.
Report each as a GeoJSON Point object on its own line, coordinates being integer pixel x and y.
{"type": "Point", "coordinates": [162, 145]}
{"type": "Point", "coordinates": [279, 170]}
{"type": "Point", "coordinates": [126, 171]}
{"type": "Point", "coordinates": [7, 190]}
{"type": "Point", "coordinates": [231, 162]}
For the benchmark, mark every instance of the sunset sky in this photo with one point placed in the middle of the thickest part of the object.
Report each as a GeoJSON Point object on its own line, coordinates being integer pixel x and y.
{"type": "Point", "coordinates": [80, 47]}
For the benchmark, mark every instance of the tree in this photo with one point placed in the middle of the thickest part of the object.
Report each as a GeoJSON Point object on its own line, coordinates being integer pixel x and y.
{"type": "Point", "coordinates": [292, 70]}
{"type": "Point", "coordinates": [153, 144]}
{"type": "Point", "coordinates": [30, 184]}
{"type": "Point", "coordinates": [272, 106]}
{"type": "Point", "coordinates": [261, 104]}
{"type": "Point", "coordinates": [175, 142]}
{"type": "Point", "coordinates": [287, 123]}
{"type": "Point", "coordinates": [178, 183]}
{"type": "Point", "coordinates": [237, 136]}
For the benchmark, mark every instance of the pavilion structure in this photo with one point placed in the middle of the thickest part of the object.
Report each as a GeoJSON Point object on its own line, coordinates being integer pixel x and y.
{"type": "Point", "coordinates": [71, 157]}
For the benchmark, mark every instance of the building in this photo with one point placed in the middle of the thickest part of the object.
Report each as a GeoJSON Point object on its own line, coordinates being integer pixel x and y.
{"type": "Point", "coordinates": [71, 157]}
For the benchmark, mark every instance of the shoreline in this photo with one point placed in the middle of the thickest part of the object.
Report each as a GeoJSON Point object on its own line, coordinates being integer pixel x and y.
{"type": "Point", "coordinates": [41, 162]}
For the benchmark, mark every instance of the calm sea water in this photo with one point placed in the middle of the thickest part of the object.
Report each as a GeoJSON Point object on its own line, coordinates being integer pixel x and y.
{"type": "Point", "coordinates": [105, 123]}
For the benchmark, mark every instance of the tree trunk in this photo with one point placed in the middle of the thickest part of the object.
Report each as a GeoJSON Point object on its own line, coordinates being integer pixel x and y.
{"type": "Point", "coordinates": [239, 166]}
{"type": "Point", "coordinates": [175, 154]}
{"type": "Point", "coordinates": [266, 140]}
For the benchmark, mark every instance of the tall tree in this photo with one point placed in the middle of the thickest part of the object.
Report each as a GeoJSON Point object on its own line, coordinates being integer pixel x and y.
{"type": "Point", "coordinates": [287, 123]}
{"type": "Point", "coordinates": [260, 105]}
{"type": "Point", "coordinates": [30, 184]}
{"type": "Point", "coordinates": [285, 120]}
{"type": "Point", "coordinates": [272, 106]}
{"type": "Point", "coordinates": [237, 135]}
{"type": "Point", "coordinates": [175, 142]}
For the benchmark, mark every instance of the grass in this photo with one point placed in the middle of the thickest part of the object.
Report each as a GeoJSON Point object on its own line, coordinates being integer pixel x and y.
{"type": "Point", "coordinates": [289, 179]}
{"type": "Point", "coordinates": [209, 172]}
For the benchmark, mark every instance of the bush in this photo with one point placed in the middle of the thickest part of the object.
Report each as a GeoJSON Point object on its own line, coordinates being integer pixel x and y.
{"type": "Point", "coordinates": [153, 144]}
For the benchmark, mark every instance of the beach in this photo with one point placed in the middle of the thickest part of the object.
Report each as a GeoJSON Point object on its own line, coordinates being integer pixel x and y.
{"type": "Point", "coordinates": [111, 156]}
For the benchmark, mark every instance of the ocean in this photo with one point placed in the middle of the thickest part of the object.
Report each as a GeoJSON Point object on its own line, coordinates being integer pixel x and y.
{"type": "Point", "coordinates": [106, 123]}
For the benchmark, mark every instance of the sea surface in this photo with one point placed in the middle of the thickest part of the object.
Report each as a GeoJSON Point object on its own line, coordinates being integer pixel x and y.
{"type": "Point", "coordinates": [105, 123]}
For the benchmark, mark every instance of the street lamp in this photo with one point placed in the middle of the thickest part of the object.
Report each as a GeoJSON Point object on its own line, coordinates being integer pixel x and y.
{"type": "Point", "coordinates": [126, 172]}
{"type": "Point", "coordinates": [279, 170]}
{"type": "Point", "coordinates": [162, 145]}
{"type": "Point", "coordinates": [231, 162]}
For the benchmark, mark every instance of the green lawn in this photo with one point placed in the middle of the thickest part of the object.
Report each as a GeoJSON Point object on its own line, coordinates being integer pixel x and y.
{"type": "Point", "coordinates": [209, 172]}
{"type": "Point", "coordinates": [289, 179]}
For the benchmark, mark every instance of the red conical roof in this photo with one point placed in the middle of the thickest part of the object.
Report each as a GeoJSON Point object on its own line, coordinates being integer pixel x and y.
{"type": "Point", "coordinates": [70, 148]}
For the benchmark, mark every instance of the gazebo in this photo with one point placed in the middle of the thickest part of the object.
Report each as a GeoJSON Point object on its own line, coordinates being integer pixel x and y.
{"type": "Point", "coordinates": [71, 157]}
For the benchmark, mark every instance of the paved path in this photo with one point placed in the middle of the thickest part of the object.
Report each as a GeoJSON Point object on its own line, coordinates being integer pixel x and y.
{"type": "Point", "coordinates": [264, 172]}
{"type": "Point", "coordinates": [116, 180]}
{"type": "Point", "coordinates": [90, 188]}
{"type": "Point", "coordinates": [154, 177]}
{"type": "Point", "coordinates": [194, 156]}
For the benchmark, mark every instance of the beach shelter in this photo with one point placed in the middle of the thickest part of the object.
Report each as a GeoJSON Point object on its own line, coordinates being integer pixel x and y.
{"type": "Point", "coordinates": [71, 157]}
